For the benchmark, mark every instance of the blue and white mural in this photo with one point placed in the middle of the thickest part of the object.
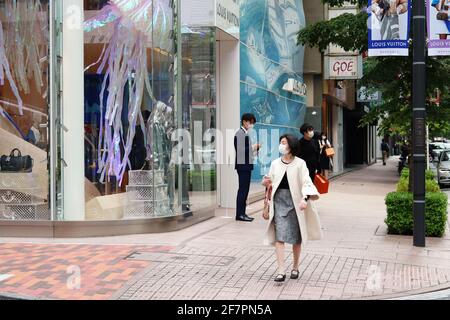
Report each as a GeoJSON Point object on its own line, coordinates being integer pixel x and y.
{"type": "Point", "coordinates": [269, 57]}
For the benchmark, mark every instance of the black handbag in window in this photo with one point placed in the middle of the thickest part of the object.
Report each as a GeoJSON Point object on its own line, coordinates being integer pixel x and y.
{"type": "Point", "coordinates": [16, 163]}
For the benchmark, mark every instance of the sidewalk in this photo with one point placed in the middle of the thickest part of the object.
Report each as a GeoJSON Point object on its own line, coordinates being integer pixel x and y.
{"type": "Point", "coordinates": [224, 259]}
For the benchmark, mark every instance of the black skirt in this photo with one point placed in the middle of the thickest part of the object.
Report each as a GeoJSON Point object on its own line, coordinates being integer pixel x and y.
{"type": "Point", "coordinates": [324, 162]}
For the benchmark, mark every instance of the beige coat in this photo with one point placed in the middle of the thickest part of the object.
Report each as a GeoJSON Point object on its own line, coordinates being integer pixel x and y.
{"type": "Point", "coordinates": [300, 186]}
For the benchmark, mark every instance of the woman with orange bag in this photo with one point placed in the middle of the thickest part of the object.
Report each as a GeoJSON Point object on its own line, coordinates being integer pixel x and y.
{"type": "Point", "coordinates": [325, 160]}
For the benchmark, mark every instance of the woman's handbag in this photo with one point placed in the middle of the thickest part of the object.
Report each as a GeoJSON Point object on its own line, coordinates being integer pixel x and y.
{"type": "Point", "coordinates": [16, 163]}
{"type": "Point", "coordinates": [266, 210]}
{"type": "Point", "coordinates": [321, 184]}
{"type": "Point", "coordinates": [330, 152]}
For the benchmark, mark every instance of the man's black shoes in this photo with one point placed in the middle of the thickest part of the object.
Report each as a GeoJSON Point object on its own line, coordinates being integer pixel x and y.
{"type": "Point", "coordinates": [244, 218]}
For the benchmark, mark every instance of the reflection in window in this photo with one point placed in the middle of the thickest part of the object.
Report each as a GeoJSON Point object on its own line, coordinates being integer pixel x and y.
{"type": "Point", "coordinates": [129, 114]}
{"type": "Point", "coordinates": [24, 104]}
{"type": "Point", "coordinates": [199, 114]}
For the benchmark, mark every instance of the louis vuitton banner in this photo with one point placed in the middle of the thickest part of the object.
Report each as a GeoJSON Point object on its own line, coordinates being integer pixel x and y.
{"type": "Point", "coordinates": [438, 27]}
{"type": "Point", "coordinates": [389, 27]}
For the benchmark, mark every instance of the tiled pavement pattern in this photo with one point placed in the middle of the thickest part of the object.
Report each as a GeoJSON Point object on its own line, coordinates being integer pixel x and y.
{"type": "Point", "coordinates": [224, 259]}
{"type": "Point", "coordinates": [50, 271]}
{"type": "Point", "coordinates": [250, 276]}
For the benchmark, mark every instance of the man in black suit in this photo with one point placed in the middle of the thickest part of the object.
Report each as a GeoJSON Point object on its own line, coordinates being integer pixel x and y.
{"type": "Point", "coordinates": [244, 164]}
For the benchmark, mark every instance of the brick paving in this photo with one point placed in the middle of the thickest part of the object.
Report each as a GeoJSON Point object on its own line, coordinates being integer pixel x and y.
{"type": "Point", "coordinates": [225, 259]}
{"type": "Point", "coordinates": [250, 276]}
{"type": "Point", "coordinates": [51, 271]}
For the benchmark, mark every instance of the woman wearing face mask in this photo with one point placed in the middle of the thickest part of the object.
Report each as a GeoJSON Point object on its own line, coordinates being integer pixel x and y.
{"type": "Point", "coordinates": [325, 161]}
{"type": "Point", "coordinates": [309, 149]}
{"type": "Point", "coordinates": [291, 189]}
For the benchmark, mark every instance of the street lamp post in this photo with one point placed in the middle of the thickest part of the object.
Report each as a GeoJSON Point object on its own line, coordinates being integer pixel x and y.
{"type": "Point", "coordinates": [418, 123]}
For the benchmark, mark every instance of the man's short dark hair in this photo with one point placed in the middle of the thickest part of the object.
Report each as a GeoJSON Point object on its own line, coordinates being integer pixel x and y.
{"type": "Point", "coordinates": [292, 143]}
{"type": "Point", "coordinates": [248, 117]}
{"type": "Point", "coordinates": [306, 127]}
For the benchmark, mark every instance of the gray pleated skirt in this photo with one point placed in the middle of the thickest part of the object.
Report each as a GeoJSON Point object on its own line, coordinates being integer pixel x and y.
{"type": "Point", "coordinates": [285, 218]}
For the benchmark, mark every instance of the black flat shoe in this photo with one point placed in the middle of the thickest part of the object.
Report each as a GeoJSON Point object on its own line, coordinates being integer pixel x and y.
{"type": "Point", "coordinates": [280, 278]}
{"type": "Point", "coordinates": [294, 274]}
{"type": "Point", "coordinates": [244, 218]}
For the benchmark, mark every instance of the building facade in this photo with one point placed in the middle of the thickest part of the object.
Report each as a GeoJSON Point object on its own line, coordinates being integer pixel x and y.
{"type": "Point", "coordinates": [130, 120]}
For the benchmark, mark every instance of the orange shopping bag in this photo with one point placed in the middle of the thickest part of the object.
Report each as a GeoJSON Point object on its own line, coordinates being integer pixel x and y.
{"type": "Point", "coordinates": [321, 183]}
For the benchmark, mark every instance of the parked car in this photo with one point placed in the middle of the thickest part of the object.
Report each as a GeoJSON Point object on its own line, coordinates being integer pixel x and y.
{"type": "Point", "coordinates": [437, 148]}
{"type": "Point", "coordinates": [443, 168]}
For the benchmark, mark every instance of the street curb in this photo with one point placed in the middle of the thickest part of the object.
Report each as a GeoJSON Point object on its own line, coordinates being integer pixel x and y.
{"type": "Point", "coordinates": [11, 296]}
{"type": "Point", "coordinates": [405, 294]}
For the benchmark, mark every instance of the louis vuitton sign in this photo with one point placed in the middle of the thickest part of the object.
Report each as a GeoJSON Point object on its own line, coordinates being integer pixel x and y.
{"type": "Point", "coordinates": [223, 14]}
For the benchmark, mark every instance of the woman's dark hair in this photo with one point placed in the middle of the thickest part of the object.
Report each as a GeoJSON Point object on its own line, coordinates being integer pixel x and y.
{"type": "Point", "coordinates": [324, 134]}
{"type": "Point", "coordinates": [248, 117]}
{"type": "Point", "coordinates": [304, 128]}
{"type": "Point", "coordinates": [292, 143]}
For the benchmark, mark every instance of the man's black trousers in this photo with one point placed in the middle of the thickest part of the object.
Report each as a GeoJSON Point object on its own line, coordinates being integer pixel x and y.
{"type": "Point", "coordinates": [242, 195]}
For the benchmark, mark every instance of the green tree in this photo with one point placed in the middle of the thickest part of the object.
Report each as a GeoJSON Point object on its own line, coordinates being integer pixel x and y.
{"type": "Point", "coordinates": [390, 75]}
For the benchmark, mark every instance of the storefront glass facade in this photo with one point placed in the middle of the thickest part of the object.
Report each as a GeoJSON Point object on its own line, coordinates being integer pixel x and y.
{"type": "Point", "coordinates": [25, 80]}
{"type": "Point", "coordinates": [199, 115]}
{"type": "Point", "coordinates": [137, 163]}
{"type": "Point", "coordinates": [129, 110]}
{"type": "Point", "coordinates": [150, 120]}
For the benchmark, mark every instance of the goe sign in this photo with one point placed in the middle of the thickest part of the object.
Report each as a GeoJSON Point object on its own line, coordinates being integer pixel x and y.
{"type": "Point", "coordinates": [343, 67]}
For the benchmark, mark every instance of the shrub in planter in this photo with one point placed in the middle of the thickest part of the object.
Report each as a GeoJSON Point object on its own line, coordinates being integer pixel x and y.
{"type": "Point", "coordinates": [405, 173]}
{"type": "Point", "coordinates": [429, 174]}
{"type": "Point", "coordinates": [431, 185]}
{"type": "Point", "coordinates": [400, 213]}
{"type": "Point", "coordinates": [403, 185]}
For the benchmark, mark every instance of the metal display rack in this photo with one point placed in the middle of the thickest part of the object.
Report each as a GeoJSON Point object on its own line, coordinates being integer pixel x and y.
{"type": "Point", "coordinates": [147, 195]}
{"type": "Point", "coordinates": [19, 198]}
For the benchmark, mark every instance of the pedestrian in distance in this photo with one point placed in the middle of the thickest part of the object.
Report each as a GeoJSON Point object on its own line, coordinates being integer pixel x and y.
{"type": "Point", "coordinates": [325, 160]}
{"type": "Point", "coordinates": [385, 151]}
{"type": "Point", "coordinates": [309, 149]}
{"type": "Point", "coordinates": [245, 153]}
{"type": "Point", "coordinates": [289, 221]}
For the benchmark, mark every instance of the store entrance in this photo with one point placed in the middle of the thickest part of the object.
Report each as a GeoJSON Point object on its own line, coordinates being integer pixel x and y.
{"type": "Point", "coordinates": [199, 118]}
{"type": "Point", "coordinates": [355, 138]}
{"type": "Point", "coordinates": [229, 109]}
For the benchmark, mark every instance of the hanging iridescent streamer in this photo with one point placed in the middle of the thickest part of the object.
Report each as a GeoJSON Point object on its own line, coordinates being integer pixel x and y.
{"type": "Point", "coordinates": [5, 71]}
{"type": "Point", "coordinates": [26, 42]}
{"type": "Point", "coordinates": [136, 25]}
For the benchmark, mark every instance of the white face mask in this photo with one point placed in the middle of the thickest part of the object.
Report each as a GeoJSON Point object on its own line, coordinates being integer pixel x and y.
{"type": "Point", "coordinates": [323, 137]}
{"type": "Point", "coordinates": [283, 149]}
{"type": "Point", "coordinates": [250, 127]}
{"type": "Point", "coordinates": [311, 134]}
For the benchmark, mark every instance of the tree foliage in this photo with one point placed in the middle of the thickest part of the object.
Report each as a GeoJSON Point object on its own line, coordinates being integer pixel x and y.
{"type": "Point", "coordinates": [340, 3]}
{"type": "Point", "coordinates": [343, 31]}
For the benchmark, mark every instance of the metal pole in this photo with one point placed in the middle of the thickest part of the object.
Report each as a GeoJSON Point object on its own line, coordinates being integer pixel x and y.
{"type": "Point", "coordinates": [178, 114]}
{"type": "Point", "coordinates": [419, 124]}
{"type": "Point", "coordinates": [428, 147]}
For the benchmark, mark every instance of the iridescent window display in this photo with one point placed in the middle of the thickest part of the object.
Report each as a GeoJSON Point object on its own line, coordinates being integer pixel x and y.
{"type": "Point", "coordinates": [24, 107]}
{"type": "Point", "coordinates": [129, 114]}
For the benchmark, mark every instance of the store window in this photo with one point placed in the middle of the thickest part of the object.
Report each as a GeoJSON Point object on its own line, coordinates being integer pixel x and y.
{"type": "Point", "coordinates": [199, 115]}
{"type": "Point", "coordinates": [24, 109]}
{"type": "Point", "coordinates": [129, 110]}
